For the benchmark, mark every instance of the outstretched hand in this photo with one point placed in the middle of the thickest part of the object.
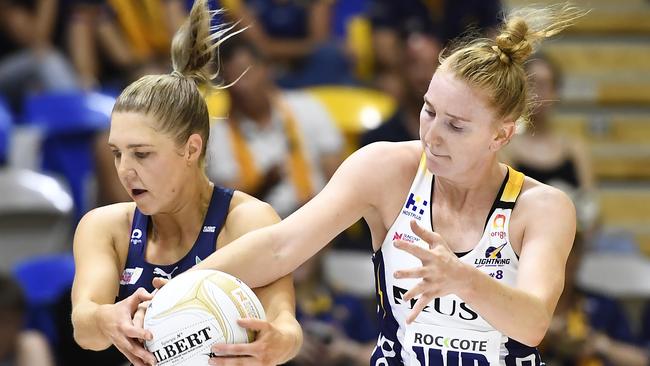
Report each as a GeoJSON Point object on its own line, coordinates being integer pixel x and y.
{"type": "Point", "coordinates": [440, 271]}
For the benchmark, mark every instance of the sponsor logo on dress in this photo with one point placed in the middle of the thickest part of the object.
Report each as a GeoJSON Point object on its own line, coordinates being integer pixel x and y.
{"type": "Point", "coordinates": [161, 273]}
{"type": "Point", "coordinates": [136, 236]}
{"type": "Point", "coordinates": [130, 276]}
{"type": "Point", "coordinates": [209, 229]}
{"type": "Point", "coordinates": [405, 237]}
{"type": "Point", "coordinates": [447, 307]}
{"type": "Point", "coordinates": [493, 257]}
{"type": "Point", "coordinates": [415, 206]}
{"type": "Point", "coordinates": [498, 227]}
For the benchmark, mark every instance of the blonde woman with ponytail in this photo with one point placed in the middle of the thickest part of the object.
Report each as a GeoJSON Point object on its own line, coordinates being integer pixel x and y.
{"type": "Point", "coordinates": [158, 135]}
{"type": "Point", "coordinates": [469, 254]}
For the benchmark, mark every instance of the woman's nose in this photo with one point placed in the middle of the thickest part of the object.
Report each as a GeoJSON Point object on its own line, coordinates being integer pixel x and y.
{"type": "Point", "coordinates": [432, 134]}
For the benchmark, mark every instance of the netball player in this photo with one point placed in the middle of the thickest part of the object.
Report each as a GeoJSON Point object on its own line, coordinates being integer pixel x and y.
{"type": "Point", "coordinates": [159, 131]}
{"type": "Point", "coordinates": [469, 253]}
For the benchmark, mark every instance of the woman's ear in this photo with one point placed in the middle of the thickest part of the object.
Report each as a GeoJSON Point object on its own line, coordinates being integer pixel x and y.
{"type": "Point", "coordinates": [504, 133]}
{"type": "Point", "coordinates": [193, 148]}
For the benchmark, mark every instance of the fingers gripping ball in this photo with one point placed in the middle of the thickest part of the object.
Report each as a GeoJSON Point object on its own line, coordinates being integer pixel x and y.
{"type": "Point", "coordinates": [196, 310]}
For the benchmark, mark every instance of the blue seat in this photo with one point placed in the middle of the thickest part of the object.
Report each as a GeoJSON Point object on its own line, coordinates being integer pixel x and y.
{"type": "Point", "coordinates": [6, 121]}
{"type": "Point", "coordinates": [69, 112]}
{"type": "Point", "coordinates": [44, 279]}
{"type": "Point", "coordinates": [70, 122]}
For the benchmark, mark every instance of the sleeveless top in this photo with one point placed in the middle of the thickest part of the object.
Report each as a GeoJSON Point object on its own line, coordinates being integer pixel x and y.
{"type": "Point", "coordinates": [139, 273]}
{"type": "Point", "coordinates": [448, 332]}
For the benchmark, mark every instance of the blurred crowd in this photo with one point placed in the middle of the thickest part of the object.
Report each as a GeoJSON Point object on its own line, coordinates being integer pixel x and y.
{"type": "Point", "coordinates": [62, 62]}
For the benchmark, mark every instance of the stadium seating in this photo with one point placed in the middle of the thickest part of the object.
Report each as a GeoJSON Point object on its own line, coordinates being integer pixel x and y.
{"type": "Point", "coordinates": [6, 121]}
{"type": "Point", "coordinates": [35, 215]}
{"type": "Point", "coordinates": [44, 279]}
{"type": "Point", "coordinates": [69, 123]}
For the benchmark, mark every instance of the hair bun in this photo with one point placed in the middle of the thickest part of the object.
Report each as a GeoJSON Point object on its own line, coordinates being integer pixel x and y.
{"type": "Point", "coordinates": [512, 44]}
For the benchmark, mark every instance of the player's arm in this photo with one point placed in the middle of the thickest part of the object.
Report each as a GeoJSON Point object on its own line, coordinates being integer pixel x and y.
{"type": "Point", "coordinates": [264, 255]}
{"type": "Point", "coordinates": [97, 321]}
{"type": "Point", "coordinates": [96, 278]}
{"type": "Point", "coordinates": [524, 312]}
{"type": "Point", "coordinates": [278, 298]}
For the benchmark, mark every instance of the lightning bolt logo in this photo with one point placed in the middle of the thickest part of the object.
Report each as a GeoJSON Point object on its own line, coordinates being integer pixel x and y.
{"type": "Point", "coordinates": [496, 252]}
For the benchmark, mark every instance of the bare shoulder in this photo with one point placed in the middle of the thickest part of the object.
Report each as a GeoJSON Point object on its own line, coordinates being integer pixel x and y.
{"type": "Point", "coordinates": [579, 150]}
{"type": "Point", "coordinates": [545, 204]}
{"type": "Point", "coordinates": [114, 217]}
{"type": "Point", "coordinates": [111, 222]}
{"type": "Point", "coordinates": [244, 206]}
{"type": "Point", "coordinates": [379, 166]}
{"type": "Point", "coordinates": [246, 213]}
{"type": "Point", "coordinates": [399, 156]}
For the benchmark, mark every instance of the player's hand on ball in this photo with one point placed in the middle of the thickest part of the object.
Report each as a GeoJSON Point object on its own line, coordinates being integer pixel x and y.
{"type": "Point", "coordinates": [116, 322]}
{"type": "Point", "coordinates": [159, 282]}
{"type": "Point", "coordinates": [138, 317]}
{"type": "Point", "coordinates": [271, 347]}
{"type": "Point", "coordinates": [441, 271]}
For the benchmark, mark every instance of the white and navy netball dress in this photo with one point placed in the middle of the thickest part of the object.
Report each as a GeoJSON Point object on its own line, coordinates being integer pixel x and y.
{"type": "Point", "coordinates": [139, 273]}
{"type": "Point", "coordinates": [448, 332]}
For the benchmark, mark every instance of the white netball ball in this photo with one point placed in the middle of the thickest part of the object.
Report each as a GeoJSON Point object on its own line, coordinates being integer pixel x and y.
{"type": "Point", "coordinates": [196, 310]}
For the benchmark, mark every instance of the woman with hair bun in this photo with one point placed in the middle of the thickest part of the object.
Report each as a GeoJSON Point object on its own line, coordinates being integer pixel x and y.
{"type": "Point", "coordinates": [158, 135]}
{"type": "Point", "coordinates": [469, 254]}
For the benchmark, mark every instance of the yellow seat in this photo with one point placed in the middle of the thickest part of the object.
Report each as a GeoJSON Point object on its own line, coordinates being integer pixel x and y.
{"type": "Point", "coordinates": [354, 109]}
{"type": "Point", "coordinates": [218, 102]}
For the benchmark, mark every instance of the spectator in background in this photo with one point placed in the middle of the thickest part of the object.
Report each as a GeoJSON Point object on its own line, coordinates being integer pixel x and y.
{"type": "Point", "coordinates": [30, 31]}
{"type": "Point", "coordinates": [439, 21]}
{"type": "Point", "coordinates": [540, 152]}
{"type": "Point", "coordinates": [294, 35]}
{"type": "Point", "coordinates": [588, 329]}
{"type": "Point", "coordinates": [550, 157]}
{"type": "Point", "coordinates": [337, 329]}
{"type": "Point", "coordinates": [19, 347]}
{"type": "Point", "coordinates": [407, 88]}
{"type": "Point", "coordinates": [115, 41]}
{"type": "Point", "coordinates": [281, 147]}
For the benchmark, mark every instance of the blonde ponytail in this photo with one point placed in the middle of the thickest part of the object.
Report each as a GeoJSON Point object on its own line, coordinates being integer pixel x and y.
{"type": "Point", "coordinates": [174, 100]}
{"type": "Point", "coordinates": [194, 44]}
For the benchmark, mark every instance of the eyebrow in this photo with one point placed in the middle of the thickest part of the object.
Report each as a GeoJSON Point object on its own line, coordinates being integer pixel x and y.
{"type": "Point", "coordinates": [463, 119]}
{"type": "Point", "coordinates": [132, 146]}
